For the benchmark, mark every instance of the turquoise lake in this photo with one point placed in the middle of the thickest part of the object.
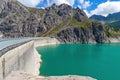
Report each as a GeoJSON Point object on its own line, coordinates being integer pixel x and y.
{"type": "Point", "coordinates": [100, 61]}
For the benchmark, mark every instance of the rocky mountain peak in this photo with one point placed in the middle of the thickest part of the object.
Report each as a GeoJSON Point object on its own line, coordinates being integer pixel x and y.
{"type": "Point", "coordinates": [78, 9]}
{"type": "Point", "coordinates": [80, 15]}
{"type": "Point", "coordinates": [54, 6]}
{"type": "Point", "coordinates": [56, 14]}
{"type": "Point", "coordinates": [60, 21]}
{"type": "Point", "coordinates": [65, 6]}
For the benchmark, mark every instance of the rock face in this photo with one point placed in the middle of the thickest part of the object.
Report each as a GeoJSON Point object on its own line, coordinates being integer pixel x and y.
{"type": "Point", "coordinates": [63, 22]}
{"type": "Point", "coordinates": [16, 20]}
{"type": "Point", "coordinates": [1, 35]}
{"type": "Point", "coordinates": [80, 15]}
{"type": "Point", "coordinates": [93, 34]}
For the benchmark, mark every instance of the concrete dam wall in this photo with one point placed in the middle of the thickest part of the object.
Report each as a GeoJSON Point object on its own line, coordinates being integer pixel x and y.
{"type": "Point", "coordinates": [23, 57]}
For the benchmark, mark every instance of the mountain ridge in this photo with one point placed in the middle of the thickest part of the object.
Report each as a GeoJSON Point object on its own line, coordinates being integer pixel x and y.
{"type": "Point", "coordinates": [108, 19]}
{"type": "Point", "coordinates": [63, 22]}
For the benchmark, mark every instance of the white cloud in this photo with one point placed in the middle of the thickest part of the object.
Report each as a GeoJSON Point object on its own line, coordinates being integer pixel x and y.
{"type": "Point", "coordinates": [71, 2]}
{"type": "Point", "coordinates": [34, 3]}
{"type": "Point", "coordinates": [58, 2]}
{"type": "Point", "coordinates": [81, 1]}
{"type": "Point", "coordinates": [85, 4]}
{"type": "Point", "coordinates": [106, 8]}
{"type": "Point", "coordinates": [30, 3]}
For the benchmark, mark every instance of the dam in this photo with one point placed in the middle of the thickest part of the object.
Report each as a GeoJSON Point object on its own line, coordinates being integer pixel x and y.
{"type": "Point", "coordinates": [19, 59]}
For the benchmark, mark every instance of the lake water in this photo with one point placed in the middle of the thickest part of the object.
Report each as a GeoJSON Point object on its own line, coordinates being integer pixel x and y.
{"type": "Point", "coordinates": [100, 61]}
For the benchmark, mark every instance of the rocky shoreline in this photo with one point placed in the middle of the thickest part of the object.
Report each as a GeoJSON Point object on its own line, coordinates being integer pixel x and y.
{"type": "Point", "coordinates": [114, 40]}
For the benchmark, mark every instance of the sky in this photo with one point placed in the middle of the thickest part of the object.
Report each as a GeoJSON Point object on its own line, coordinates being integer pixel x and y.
{"type": "Point", "coordinates": [91, 7]}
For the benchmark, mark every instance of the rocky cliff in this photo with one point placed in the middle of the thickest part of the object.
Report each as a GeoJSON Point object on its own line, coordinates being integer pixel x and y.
{"type": "Point", "coordinates": [67, 24]}
{"type": "Point", "coordinates": [92, 34]}
{"type": "Point", "coordinates": [16, 20]}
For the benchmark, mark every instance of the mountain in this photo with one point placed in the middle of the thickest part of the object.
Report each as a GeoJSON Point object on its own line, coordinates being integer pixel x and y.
{"type": "Point", "coordinates": [113, 17]}
{"type": "Point", "coordinates": [108, 19]}
{"type": "Point", "coordinates": [112, 20]}
{"type": "Point", "coordinates": [16, 20]}
{"type": "Point", "coordinates": [98, 17]}
{"type": "Point", "coordinates": [114, 24]}
{"type": "Point", "coordinates": [67, 24]}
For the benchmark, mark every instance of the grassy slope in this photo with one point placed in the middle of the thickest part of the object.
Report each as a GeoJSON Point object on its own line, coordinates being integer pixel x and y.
{"type": "Point", "coordinates": [111, 31]}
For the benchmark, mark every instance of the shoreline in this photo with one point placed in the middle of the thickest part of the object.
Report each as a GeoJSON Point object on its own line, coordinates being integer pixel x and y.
{"type": "Point", "coordinates": [66, 77]}
{"type": "Point", "coordinates": [110, 40]}
{"type": "Point", "coordinates": [114, 40]}
{"type": "Point", "coordinates": [38, 56]}
{"type": "Point", "coordinates": [38, 59]}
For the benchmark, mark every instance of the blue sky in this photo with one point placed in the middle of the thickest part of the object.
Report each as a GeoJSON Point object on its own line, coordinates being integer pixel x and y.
{"type": "Point", "coordinates": [98, 7]}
